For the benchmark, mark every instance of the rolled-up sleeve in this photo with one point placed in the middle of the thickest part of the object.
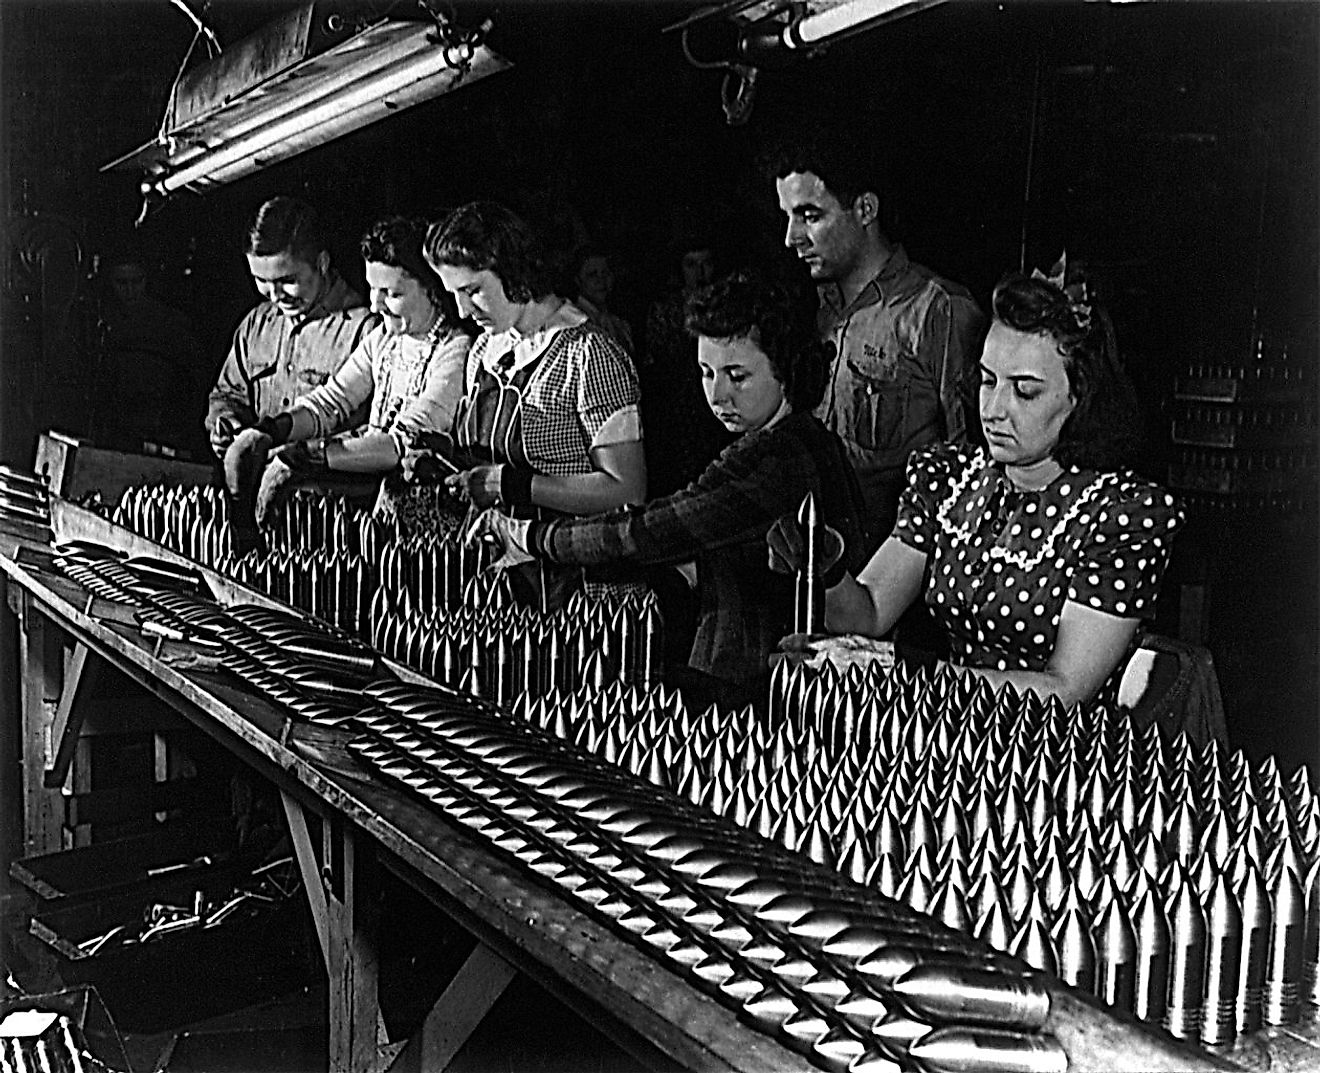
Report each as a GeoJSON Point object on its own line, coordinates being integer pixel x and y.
{"type": "Point", "coordinates": [332, 405]}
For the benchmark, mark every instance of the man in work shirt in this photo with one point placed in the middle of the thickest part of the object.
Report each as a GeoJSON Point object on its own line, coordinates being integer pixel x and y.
{"type": "Point", "coordinates": [309, 323]}
{"type": "Point", "coordinates": [904, 338]}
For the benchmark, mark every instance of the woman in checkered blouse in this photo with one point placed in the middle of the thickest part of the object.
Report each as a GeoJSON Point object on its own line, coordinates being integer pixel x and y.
{"type": "Point", "coordinates": [762, 369]}
{"type": "Point", "coordinates": [548, 424]}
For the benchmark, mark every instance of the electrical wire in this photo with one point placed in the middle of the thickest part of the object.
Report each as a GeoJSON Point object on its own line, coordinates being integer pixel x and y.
{"type": "Point", "coordinates": [168, 117]}
{"type": "Point", "coordinates": [213, 47]}
{"type": "Point", "coordinates": [1030, 166]}
{"type": "Point", "coordinates": [737, 91]}
{"type": "Point", "coordinates": [202, 28]}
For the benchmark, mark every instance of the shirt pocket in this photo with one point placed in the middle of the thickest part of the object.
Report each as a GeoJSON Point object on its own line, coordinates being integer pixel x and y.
{"type": "Point", "coordinates": [880, 389]}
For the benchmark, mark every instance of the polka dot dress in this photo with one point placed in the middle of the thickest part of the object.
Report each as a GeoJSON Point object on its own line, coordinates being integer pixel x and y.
{"type": "Point", "coordinates": [1003, 562]}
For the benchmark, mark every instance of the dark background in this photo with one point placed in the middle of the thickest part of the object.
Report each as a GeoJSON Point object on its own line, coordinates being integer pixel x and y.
{"type": "Point", "coordinates": [1172, 147]}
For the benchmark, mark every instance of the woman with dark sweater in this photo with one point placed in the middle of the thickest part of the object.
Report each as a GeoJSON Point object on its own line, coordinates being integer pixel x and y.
{"type": "Point", "coordinates": [762, 370]}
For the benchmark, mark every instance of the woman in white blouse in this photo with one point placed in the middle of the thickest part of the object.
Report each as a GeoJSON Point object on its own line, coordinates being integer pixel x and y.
{"type": "Point", "coordinates": [406, 378]}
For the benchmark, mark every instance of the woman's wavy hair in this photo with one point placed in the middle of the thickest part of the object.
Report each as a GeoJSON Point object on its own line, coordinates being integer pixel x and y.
{"type": "Point", "coordinates": [744, 303]}
{"type": "Point", "coordinates": [397, 241]}
{"type": "Point", "coordinates": [486, 236]}
{"type": "Point", "coordinates": [1103, 432]}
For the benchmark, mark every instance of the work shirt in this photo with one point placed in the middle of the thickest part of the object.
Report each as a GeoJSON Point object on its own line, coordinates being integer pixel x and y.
{"type": "Point", "coordinates": [276, 359]}
{"type": "Point", "coordinates": [902, 347]}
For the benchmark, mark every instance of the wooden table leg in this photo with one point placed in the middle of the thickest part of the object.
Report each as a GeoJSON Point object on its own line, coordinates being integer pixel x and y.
{"type": "Point", "coordinates": [343, 891]}
{"type": "Point", "coordinates": [41, 662]}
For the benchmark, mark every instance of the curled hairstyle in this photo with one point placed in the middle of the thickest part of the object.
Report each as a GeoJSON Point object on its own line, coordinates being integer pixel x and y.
{"type": "Point", "coordinates": [743, 305]}
{"type": "Point", "coordinates": [397, 241]}
{"type": "Point", "coordinates": [286, 225]}
{"type": "Point", "coordinates": [486, 236]}
{"type": "Point", "coordinates": [1103, 432]}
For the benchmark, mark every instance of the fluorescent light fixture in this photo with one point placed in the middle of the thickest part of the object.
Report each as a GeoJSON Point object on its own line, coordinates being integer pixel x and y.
{"type": "Point", "coordinates": [821, 25]}
{"type": "Point", "coordinates": [292, 88]}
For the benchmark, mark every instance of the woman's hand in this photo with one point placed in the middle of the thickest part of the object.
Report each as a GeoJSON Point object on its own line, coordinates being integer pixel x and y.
{"type": "Point", "coordinates": [796, 649]}
{"type": "Point", "coordinates": [508, 534]}
{"type": "Point", "coordinates": [788, 553]}
{"type": "Point", "coordinates": [430, 457]}
{"type": "Point", "coordinates": [479, 486]}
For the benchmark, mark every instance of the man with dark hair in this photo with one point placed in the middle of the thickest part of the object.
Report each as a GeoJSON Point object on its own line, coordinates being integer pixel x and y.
{"type": "Point", "coordinates": [903, 336]}
{"type": "Point", "coordinates": [295, 340]}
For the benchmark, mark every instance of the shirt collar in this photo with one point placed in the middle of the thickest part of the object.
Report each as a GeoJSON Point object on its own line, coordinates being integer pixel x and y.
{"type": "Point", "coordinates": [996, 472]}
{"type": "Point", "coordinates": [831, 296]}
{"type": "Point", "coordinates": [779, 415]}
{"type": "Point", "coordinates": [509, 351]}
{"type": "Point", "coordinates": [337, 297]}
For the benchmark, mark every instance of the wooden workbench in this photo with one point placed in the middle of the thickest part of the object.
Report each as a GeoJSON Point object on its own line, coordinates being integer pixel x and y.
{"type": "Point", "coordinates": [346, 825]}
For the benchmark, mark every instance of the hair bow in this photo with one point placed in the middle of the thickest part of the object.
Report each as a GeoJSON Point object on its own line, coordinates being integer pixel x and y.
{"type": "Point", "coordinates": [1079, 299]}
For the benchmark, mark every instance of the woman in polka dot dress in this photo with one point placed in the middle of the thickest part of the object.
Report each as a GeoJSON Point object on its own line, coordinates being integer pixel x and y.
{"type": "Point", "coordinates": [1041, 553]}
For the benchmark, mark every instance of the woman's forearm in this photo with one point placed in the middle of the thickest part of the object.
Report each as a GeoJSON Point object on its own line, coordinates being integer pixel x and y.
{"type": "Point", "coordinates": [587, 493]}
{"type": "Point", "coordinates": [1044, 684]}
{"type": "Point", "coordinates": [850, 608]}
{"type": "Point", "coordinates": [618, 478]}
{"type": "Point", "coordinates": [886, 587]}
{"type": "Point", "coordinates": [372, 452]}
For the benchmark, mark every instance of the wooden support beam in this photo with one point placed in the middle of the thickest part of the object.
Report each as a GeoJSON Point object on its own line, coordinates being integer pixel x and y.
{"type": "Point", "coordinates": [41, 662]}
{"type": "Point", "coordinates": [305, 854]}
{"type": "Point", "coordinates": [456, 1014]}
{"type": "Point", "coordinates": [69, 718]}
{"type": "Point", "coordinates": [352, 894]}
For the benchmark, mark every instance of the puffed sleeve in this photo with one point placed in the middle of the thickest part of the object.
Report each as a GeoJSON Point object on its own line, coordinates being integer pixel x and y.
{"type": "Point", "coordinates": [1124, 557]}
{"type": "Point", "coordinates": [930, 474]}
{"type": "Point", "coordinates": [607, 391]}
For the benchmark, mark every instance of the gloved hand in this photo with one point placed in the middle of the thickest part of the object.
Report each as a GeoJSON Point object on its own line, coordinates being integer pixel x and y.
{"type": "Point", "coordinates": [787, 551]}
{"type": "Point", "coordinates": [245, 460]}
{"type": "Point", "coordinates": [273, 490]}
{"type": "Point", "coordinates": [509, 534]}
{"type": "Point", "coordinates": [305, 456]}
